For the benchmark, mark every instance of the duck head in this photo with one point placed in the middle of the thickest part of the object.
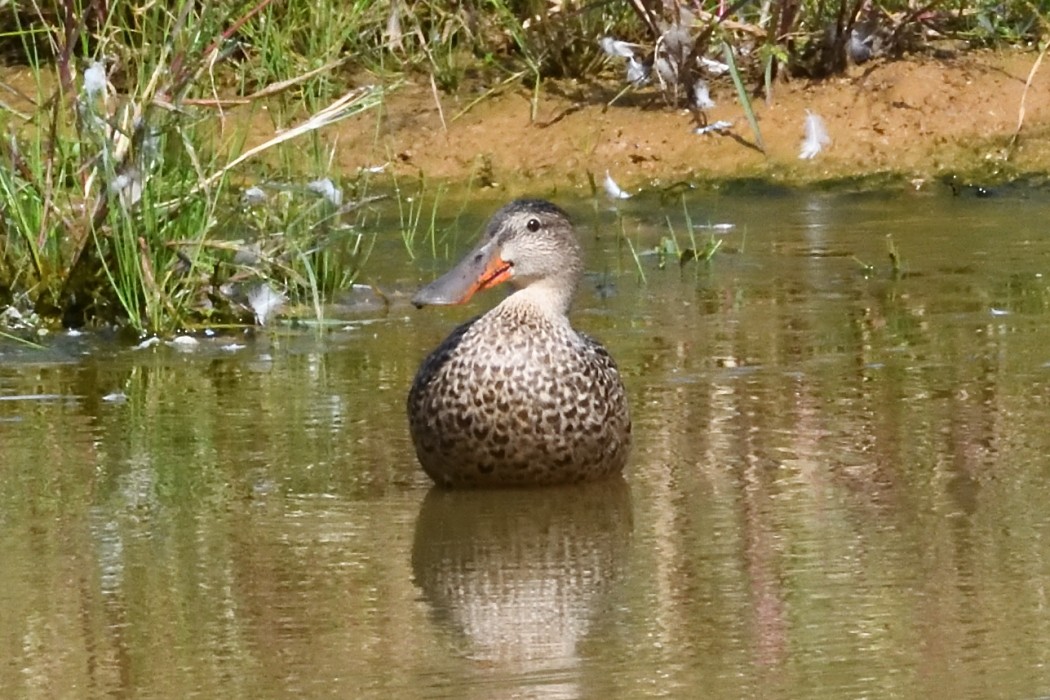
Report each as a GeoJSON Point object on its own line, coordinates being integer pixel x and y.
{"type": "Point", "coordinates": [529, 243]}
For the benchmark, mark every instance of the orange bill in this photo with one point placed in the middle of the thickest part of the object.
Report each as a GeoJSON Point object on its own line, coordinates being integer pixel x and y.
{"type": "Point", "coordinates": [481, 269]}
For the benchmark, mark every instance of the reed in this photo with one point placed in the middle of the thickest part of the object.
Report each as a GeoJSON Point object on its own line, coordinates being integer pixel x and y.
{"type": "Point", "coordinates": [118, 183]}
{"type": "Point", "coordinates": [638, 267]}
{"type": "Point", "coordinates": [418, 220]}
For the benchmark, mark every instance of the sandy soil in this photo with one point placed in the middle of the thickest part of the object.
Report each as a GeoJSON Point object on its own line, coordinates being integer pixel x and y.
{"type": "Point", "coordinates": [911, 120]}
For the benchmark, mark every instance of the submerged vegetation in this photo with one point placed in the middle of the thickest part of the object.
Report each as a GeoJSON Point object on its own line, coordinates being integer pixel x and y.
{"type": "Point", "coordinates": [129, 196]}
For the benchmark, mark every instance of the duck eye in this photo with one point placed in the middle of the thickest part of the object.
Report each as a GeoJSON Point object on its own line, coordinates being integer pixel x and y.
{"type": "Point", "coordinates": [533, 225]}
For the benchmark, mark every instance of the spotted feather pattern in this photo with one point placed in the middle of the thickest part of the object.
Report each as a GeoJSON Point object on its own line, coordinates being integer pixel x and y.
{"type": "Point", "coordinates": [517, 397]}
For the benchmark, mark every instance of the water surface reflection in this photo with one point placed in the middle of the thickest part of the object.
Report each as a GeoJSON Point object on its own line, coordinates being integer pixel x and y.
{"type": "Point", "coordinates": [516, 578]}
{"type": "Point", "coordinates": [839, 486]}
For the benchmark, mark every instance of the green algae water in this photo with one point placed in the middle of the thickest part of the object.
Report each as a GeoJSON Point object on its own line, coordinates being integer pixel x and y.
{"type": "Point", "coordinates": [840, 483]}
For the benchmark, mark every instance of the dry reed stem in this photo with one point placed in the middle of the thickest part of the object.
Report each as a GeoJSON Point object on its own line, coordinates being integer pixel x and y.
{"type": "Point", "coordinates": [1024, 94]}
{"type": "Point", "coordinates": [337, 111]}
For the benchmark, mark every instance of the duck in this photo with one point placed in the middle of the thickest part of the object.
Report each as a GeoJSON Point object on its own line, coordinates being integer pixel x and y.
{"type": "Point", "coordinates": [516, 396]}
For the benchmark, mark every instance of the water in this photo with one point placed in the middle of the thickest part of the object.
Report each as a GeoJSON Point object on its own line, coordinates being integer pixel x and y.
{"type": "Point", "coordinates": [839, 486]}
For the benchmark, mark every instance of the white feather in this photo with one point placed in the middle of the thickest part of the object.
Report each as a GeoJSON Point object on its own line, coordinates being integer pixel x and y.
{"type": "Point", "coordinates": [859, 47]}
{"type": "Point", "coordinates": [253, 196]}
{"type": "Point", "coordinates": [702, 95]}
{"type": "Point", "coordinates": [612, 189]}
{"type": "Point", "coordinates": [614, 48]}
{"type": "Point", "coordinates": [815, 137]}
{"type": "Point", "coordinates": [713, 67]}
{"type": "Point", "coordinates": [720, 125]}
{"type": "Point", "coordinates": [637, 73]}
{"type": "Point", "coordinates": [264, 300]}
{"type": "Point", "coordinates": [327, 189]}
{"type": "Point", "coordinates": [95, 79]}
{"type": "Point", "coordinates": [666, 71]}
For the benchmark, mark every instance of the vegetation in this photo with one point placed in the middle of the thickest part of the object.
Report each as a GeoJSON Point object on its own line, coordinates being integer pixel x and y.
{"type": "Point", "coordinates": [123, 188]}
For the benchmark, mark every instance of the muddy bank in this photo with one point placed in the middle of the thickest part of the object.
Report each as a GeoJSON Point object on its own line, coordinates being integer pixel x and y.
{"type": "Point", "coordinates": [907, 120]}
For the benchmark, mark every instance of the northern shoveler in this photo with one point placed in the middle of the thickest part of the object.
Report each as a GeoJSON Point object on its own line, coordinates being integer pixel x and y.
{"type": "Point", "coordinates": [516, 397]}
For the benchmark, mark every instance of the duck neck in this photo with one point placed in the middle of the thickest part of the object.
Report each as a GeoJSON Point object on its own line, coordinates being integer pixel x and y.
{"type": "Point", "coordinates": [551, 297]}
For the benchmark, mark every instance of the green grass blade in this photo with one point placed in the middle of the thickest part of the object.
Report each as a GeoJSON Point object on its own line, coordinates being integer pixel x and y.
{"type": "Point", "coordinates": [741, 92]}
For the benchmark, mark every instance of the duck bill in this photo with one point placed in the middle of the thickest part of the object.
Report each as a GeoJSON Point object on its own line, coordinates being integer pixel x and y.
{"type": "Point", "coordinates": [480, 269]}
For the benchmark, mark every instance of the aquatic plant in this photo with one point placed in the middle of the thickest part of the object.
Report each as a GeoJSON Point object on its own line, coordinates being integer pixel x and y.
{"type": "Point", "coordinates": [411, 205]}
{"type": "Point", "coordinates": [703, 251]}
{"type": "Point", "coordinates": [624, 239]}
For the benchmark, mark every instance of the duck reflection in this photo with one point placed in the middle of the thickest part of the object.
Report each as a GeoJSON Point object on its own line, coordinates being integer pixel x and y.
{"type": "Point", "coordinates": [519, 575]}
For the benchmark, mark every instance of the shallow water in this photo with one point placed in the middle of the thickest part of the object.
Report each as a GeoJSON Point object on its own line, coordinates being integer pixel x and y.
{"type": "Point", "coordinates": [839, 486]}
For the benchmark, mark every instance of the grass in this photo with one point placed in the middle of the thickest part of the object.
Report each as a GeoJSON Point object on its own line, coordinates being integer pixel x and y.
{"type": "Point", "coordinates": [896, 263]}
{"type": "Point", "coordinates": [420, 204]}
{"type": "Point", "coordinates": [741, 91]}
{"type": "Point", "coordinates": [117, 198]}
{"type": "Point", "coordinates": [411, 207]}
{"type": "Point", "coordinates": [669, 248]}
{"type": "Point", "coordinates": [639, 269]}
{"type": "Point", "coordinates": [122, 179]}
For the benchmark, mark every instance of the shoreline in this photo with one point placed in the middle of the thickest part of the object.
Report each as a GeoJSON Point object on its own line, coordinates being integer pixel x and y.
{"type": "Point", "coordinates": [911, 121]}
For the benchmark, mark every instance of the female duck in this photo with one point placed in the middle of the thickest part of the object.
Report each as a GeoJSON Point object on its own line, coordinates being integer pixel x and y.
{"type": "Point", "coordinates": [516, 397]}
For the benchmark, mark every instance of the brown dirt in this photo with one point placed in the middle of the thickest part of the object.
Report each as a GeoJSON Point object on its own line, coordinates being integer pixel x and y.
{"type": "Point", "coordinates": [911, 119]}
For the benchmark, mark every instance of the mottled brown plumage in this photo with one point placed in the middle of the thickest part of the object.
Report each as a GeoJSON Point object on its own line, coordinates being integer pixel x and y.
{"type": "Point", "coordinates": [516, 396]}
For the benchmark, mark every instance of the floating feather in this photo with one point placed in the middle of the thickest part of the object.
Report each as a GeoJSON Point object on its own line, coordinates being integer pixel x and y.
{"type": "Point", "coordinates": [183, 342]}
{"type": "Point", "coordinates": [613, 190]}
{"type": "Point", "coordinates": [816, 137]}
